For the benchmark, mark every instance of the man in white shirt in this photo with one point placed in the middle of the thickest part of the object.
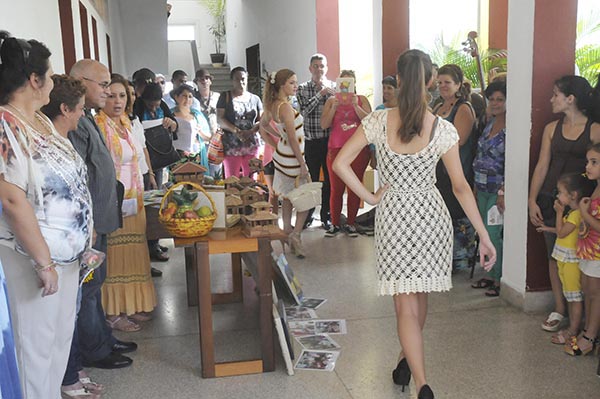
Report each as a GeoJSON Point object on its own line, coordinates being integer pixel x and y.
{"type": "Point", "coordinates": [178, 78]}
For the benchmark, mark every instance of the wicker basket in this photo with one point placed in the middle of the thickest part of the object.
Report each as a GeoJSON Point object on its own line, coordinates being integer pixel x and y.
{"type": "Point", "coordinates": [187, 228]}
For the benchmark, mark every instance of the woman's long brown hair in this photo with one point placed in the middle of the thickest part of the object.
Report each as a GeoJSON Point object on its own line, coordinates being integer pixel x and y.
{"type": "Point", "coordinates": [414, 71]}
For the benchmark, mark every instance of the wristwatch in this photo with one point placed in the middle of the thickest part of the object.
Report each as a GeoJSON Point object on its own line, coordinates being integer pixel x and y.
{"type": "Point", "coordinates": [500, 192]}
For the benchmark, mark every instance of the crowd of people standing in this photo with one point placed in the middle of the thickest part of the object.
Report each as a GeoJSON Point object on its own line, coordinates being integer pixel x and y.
{"type": "Point", "coordinates": [74, 165]}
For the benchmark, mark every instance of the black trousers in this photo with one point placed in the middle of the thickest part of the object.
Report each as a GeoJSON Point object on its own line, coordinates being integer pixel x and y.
{"type": "Point", "coordinates": [315, 154]}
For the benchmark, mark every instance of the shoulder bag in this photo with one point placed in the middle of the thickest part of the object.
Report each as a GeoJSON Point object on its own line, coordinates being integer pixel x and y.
{"type": "Point", "coordinates": [159, 143]}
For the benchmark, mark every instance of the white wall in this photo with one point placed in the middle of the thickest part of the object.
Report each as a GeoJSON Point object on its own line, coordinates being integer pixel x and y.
{"type": "Point", "coordinates": [518, 126]}
{"type": "Point", "coordinates": [377, 55]}
{"type": "Point", "coordinates": [191, 12]}
{"type": "Point", "coordinates": [43, 24]}
{"type": "Point", "coordinates": [285, 29]}
{"type": "Point", "coordinates": [143, 34]}
{"type": "Point", "coordinates": [180, 57]}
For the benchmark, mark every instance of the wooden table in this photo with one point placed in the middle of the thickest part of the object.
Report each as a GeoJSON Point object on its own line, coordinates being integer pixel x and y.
{"type": "Point", "coordinates": [197, 264]}
{"type": "Point", "coordinates": [235, 243]}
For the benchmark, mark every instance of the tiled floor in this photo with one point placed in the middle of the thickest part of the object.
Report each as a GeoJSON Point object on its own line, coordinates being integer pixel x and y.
{"type": "Point", "coordinates": [476, 347]}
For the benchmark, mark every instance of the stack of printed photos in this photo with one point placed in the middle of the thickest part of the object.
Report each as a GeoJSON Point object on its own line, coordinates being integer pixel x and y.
{"type": "Point", "coordinates": [318, 350]}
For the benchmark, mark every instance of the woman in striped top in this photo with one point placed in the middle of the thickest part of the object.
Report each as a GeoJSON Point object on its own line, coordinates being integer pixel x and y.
{"type": "Point", "coordinates": [288, 157]}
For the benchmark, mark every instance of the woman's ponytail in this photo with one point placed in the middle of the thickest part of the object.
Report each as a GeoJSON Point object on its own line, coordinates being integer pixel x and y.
{"type": "Point", "coordinates": [414, 72]}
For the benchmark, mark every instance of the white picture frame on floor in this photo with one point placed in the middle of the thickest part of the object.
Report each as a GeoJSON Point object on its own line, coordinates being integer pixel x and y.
{"type": "Point", "coordinates": [300, 313]}
{"type": "Point", "coordinates": [318, 342]}
{"type": "Point", "coordinates": [317, 360]}
{"type": "Point", "coordinates": [283, 343]}
{"type": "Point", "coordinates": [291, 281]}
{"type": "Point", "coordinates": [333, 326]}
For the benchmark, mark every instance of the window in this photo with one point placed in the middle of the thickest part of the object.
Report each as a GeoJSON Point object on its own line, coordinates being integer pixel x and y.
{"type": "Point", "coordinates": [181, 32]}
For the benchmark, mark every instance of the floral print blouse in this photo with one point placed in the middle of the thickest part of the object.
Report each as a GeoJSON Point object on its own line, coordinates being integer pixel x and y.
{"type": "Point", "coordinates": [54, 177]}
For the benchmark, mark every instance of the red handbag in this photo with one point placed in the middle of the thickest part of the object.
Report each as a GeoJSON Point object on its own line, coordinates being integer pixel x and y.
{"type": "Point", "coordinates": [215, 148]}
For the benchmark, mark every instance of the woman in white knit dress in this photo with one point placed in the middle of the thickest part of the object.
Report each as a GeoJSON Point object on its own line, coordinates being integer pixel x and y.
{"type": "Point", "coordinates": [413, 229]}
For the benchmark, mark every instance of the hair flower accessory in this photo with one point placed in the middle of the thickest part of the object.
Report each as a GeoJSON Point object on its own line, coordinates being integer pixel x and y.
{"type": "Point", "coordinates": [273, 74]}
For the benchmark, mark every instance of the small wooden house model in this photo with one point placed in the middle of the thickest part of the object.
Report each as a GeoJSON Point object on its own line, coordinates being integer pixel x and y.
{"type": "Point", "coordinates": [189, 171]}
{"type": "Point", "coordinates": [261, 222]}
{"type": "Point", "coordinates": [245, 181]}
{"type": "Point", "coordinates": [235, 209]}
{"type": "Point", "coordinates": [232, 191]}
{"type": "Point", "coordinates": [250, 195]}
{"type": "Point", "coordinates": [231, 181]}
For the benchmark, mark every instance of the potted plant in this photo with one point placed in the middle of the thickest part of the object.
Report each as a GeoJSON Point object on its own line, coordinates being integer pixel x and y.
{"type": "Point", "coordinates": [216, 8]}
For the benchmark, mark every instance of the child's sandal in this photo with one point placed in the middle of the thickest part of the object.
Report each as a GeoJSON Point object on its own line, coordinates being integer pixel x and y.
{"type": "Point", "coordinates": [574, 349]}
{"type": "Point", "coordinates": [562, 337]}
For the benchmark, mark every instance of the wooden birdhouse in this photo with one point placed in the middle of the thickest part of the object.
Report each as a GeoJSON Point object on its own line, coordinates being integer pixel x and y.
{"type": "Point", "coordinates": [235, 209]}
{"type": "Point", "coordinates": [189, 171]}
{"type": "Point", "coordinates": [232, 191]}
{"type": "Point", "coordinates": [245, 181]}
{"type": "Point", "coordinates": [250, 195]}
{"type": "Point", "coordinates": [231, 181]}
{"type": "Point", "coordinates": [261, 222]}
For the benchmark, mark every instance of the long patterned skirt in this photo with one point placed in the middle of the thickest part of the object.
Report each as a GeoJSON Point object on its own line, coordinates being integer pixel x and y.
{"type": "Point", "coordinates": [128, 287]}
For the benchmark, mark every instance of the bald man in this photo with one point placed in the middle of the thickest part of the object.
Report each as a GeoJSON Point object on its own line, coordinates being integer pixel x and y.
{"type": "Point", "coordinates": [98, 347]}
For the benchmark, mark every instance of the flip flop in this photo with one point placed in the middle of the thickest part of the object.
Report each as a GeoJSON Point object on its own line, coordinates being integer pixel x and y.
{"type": "Point", "coordinates": [482, 283]}
{"type": "Point", "coordinates": [553, 321]}
{"type": "Point", "coordinates": [123, 323]}
{"type": "Point", "coordinates": [493, 291]}
{"type": "Point", "coordinates": [562, 337]}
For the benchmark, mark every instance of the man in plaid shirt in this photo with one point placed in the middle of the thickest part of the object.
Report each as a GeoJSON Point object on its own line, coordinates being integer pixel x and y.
{"type": "Point", "coordinates": [312, 96]}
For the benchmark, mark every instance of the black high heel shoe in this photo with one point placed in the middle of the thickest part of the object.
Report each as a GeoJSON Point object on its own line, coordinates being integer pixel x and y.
{"type": "Point", "coordinates": [401, 374]}
{"type": "Point", "coordinates": [425, 392]}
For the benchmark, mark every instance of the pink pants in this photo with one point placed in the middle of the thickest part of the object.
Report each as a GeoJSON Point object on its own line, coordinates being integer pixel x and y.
{"type": "Point", "coordinates": [336, 198]}
{"type": "Point", "coordinates": [233, 164]}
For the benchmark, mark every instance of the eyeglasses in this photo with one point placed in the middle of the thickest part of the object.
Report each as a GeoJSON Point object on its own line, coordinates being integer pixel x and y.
{"type": "Point", "coordinates": [161, 82]}
{"type": "Point", "coordinates": [103, 85]}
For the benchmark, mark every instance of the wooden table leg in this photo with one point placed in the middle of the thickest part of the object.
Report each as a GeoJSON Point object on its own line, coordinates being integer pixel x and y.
{"type": "Point", "coordinates": [236, 274]}
{"type": "Point", "coordinates": [265, 271]}
{"type": "Point", "coordinates": [190, 276]}
{"type": "Point", "coordinates": [207, 345]}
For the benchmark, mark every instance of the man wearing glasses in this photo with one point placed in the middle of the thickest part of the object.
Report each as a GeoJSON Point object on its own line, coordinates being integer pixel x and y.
{"type": "Point", "coordinates": [98, 347]}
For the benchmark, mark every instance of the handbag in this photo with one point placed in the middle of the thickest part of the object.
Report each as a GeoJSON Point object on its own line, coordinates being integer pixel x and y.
{"type": "Point", "coordinates": [216, 152]}
{"type": "Point", "coordinates": [159, 143]}
{"type": "Point", "coordinates": [305, 196]}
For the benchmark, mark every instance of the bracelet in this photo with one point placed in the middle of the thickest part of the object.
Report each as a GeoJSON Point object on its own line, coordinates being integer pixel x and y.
{"type": "Point", "coordinates": [500, 192]}
{"type": "Point", "coordinates": [39, 268]}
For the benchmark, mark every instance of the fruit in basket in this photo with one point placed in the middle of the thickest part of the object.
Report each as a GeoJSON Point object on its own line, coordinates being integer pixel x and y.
{"type": "Point", "coordinates": [190, 215]}
{"type": "Point", "coordinates": [170, 210]}
{"type": "Point", "coordinates": [204, 211]}
{"type": "Point", "coordinates": [184, 200]}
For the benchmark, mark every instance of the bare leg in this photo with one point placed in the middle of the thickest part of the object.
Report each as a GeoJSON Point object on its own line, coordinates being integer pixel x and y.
{"type": "Point", "coordinates": [286, 211]}
{"type": "Point", "coordinates": [422, 299]}
{"type": "Point", "coordinates": [587, 299]}
{"type": "Point", "coordinates": [593, 324]}
{"type": "Point", "coordinates": [300, 218]}
{"type": "Point", "coordinates": [592, 299]}
{"type": "Point", "coordinates": [559, 299]}
{"type": "Point", "coordinates": [408, 312]}
{"type": "Point", "coordinates": [273, 199]}
{"type": "Point", "coordinates": [575, 312]}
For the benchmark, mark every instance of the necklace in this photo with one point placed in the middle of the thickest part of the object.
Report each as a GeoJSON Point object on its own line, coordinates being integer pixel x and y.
{"type": "Point", "coordinates": [49, 137]}
{"type": "Point", "coordinates": [29, 122]}
{"type": "Point", "coordinates": [446, 110]}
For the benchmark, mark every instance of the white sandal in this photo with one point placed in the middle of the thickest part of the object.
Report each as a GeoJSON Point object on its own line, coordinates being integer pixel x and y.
{"type": "Point", "coordinates": [553, 322]}
{"type": "Point", "coordinates": [80, 393]}
{"type": "Point", "coordinates": [91, 386]}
